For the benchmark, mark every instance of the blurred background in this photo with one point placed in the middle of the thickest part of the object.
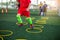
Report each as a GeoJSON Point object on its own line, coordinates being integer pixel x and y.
{"type": "Point", "coordinates": [52, 4]}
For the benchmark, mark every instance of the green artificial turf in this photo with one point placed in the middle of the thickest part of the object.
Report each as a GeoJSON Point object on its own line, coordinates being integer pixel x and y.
{"type": "Point", "coordinates": [50, 30]}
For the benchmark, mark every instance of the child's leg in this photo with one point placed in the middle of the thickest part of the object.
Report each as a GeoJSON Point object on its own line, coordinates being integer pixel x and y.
{"type": "Point", "coordinates": [29, 20]}
{"type": "Point", "coordinates": [27, 14]}
{"type": "Point", "coordinates": [19, 18]}
{"type": "Point", "coordinates": [2, 10]}
{"type": "Point", "coordinates": [42, 13]}
{"type": "Point", "coordinates": [6, 10]}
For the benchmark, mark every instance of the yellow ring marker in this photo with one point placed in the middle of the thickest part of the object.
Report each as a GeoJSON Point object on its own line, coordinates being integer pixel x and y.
{"type": "Point", "coordinates": [1, 38]}
{"type": "Point", "coordinates": [25, 23]}
{"type": "Point", "coordinates": [44, 18]}
{"type": "Point", "coordinates": [39, 26]}
{"type": "Point", "coordinates": [40, 30]}
{"type": "Point", "coordinates": [21, 39]}
{"type": "Point", "coordinates": [6, 31]}
{"type": "Point", "coordinates": [41, 22]}
{"type": "Point", "coordinates": [33, 18]}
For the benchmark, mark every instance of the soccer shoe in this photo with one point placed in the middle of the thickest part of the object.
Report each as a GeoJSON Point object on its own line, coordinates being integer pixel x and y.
{"type": "Point", "coordinates": [31, 26]}
{"type": "Point", "coordinates": [21, 24]}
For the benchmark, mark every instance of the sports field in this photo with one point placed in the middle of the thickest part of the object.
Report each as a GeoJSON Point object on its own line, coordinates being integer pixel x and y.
{"type": "Point", "coordinates": [46, 28]}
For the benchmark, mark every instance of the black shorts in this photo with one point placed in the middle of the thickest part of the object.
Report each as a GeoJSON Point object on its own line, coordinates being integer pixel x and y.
{"type": "Point", "coordinates": [18, 5]}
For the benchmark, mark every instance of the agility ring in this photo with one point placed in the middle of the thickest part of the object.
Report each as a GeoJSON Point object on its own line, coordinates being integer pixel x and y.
{"type": "Point", "coordinates": [25, 23]}
{"type": "Point", "coordinates": [44, 18]}
{"type": "Point", "coordinates": [1, 38]}
{"type": "Point", "coordinates": [39, 26]}
{"type": "Point", "coordinates": [3, 35]}
{"type": "Point", "coordinates": [33, 18]}
{"type": "Point", "coordinates": [21, 39]}
{"type": "Point", "coordinates": [6, 31]}
{"type": "Point", "coordinates": [35, 28]}
{"type": "Point", "coordinates": [40, 22]}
